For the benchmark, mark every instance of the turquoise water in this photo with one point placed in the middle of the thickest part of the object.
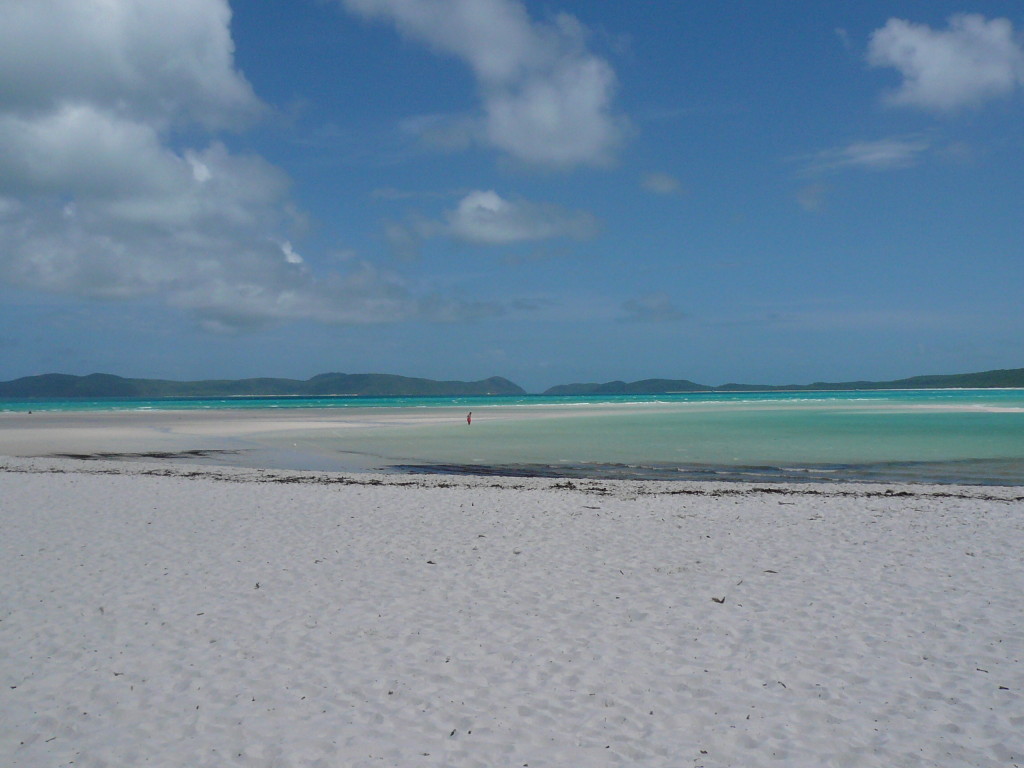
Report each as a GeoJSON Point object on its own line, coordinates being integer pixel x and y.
{"type": "Point", "coordinates": [962, 437]}
{"type": "Point", "coordinates": [995, 398]}
{"type": "Point", "coordinates": [949, 436]}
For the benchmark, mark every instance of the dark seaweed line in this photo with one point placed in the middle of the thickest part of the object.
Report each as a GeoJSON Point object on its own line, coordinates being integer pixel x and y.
{"type": "Point", "coordinates": [588, 487]}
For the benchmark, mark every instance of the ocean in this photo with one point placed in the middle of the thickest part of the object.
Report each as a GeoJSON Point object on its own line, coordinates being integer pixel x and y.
{"type": "Point", "coordinates": [935, 436]}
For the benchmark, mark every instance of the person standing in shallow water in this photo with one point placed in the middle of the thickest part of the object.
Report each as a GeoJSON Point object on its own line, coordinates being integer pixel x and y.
{"type": "Point", "coordinates": [469, 417]}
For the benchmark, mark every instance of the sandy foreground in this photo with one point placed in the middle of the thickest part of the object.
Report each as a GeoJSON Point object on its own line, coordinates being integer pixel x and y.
{"type": "Point", "coordinates": [159, 614]}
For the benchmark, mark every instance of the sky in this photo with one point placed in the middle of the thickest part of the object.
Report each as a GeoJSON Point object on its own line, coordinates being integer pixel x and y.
{"type": "Point", "coordinates": [553, 192]}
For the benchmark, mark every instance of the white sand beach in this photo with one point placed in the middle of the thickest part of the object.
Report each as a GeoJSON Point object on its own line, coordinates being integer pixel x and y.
{"type": "Point", "coordinates": [176, 615]}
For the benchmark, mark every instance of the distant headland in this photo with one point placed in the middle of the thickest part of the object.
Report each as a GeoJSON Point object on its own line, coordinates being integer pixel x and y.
{"type": "Point", "coordinates": [58, 385]}
{"type": "Point", "coordinates": [986, 380]}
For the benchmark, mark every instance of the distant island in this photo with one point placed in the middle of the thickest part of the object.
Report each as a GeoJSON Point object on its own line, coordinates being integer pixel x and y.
{"type": "Point", "coordinates": [986, 380]}
{"type": "Point", "coordinates": [59, 385]}
{"type": "Point", "coordinates": [65, 386]}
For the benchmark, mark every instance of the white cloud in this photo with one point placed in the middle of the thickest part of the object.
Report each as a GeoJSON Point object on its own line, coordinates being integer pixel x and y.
{"type": "Point", "coordinates": [880, 155]}
{"type": "Point", "coordinates": [557, 117]}
{"type": "Point", "coordinates": [200, 171]}
{"type": "Point", "coordinates": [661, 183]}
{"type": "Point", "coordinates": [971, 62]}
{"type": "Point", "coordinates": [486, 218]}
{"type": "Point", "coordinates": [161, 62]}
{"type": "Point", "coordinates": [290, 255]}
{"type": "Point", "coordinates": [79, 149]}
{"type": "Point", "coordinates": [483, 217]}
{"type": "Point", "coordinates": [546, 98]}
{"type": "Point", "coordinates": [96, 201]}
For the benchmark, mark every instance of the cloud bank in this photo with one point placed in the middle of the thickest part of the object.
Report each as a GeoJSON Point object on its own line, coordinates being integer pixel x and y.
{"type": "Point", "coordinates": [546, 100]}
{"type": "Point", "coordinates": [98, 200]}
{"type": "Point", "coordinates": [973, 61]}
{"type": "Point", "coordinates": [154, 62]}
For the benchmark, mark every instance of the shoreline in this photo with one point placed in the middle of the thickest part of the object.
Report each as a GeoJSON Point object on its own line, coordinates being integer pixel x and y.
{"type": "Point", "coordinates": [103, 404]}
{"type": "Point", "coordinates": [625, 488]}
{"type": "Point", "coordinates": [435, 440]}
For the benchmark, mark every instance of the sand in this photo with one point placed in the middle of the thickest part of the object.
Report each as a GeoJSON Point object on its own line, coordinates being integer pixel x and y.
{"type": "Point", "coordinates": [176, 615]}
{"type": "Point", "coordinates": [285, 438]}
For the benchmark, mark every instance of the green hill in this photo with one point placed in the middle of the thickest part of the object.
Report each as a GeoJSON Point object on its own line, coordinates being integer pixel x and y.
{"type": "Point", "coordinates": [58, 385]}
{"type": "Point", "coordinates": [987, 379]}
{"type": "Point", "coordinates": [64, 386]}
{"type": "Point", "coordinates": [643, 387]}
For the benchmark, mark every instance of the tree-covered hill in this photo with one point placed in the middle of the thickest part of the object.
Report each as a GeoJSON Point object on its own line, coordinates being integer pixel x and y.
{"type": "Point", "coordinates": [57, 385]}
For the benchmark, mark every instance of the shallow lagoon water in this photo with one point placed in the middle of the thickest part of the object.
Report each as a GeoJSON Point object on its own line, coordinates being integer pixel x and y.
{"type": "Point", "coordinates": [960, 439]}
{"type": "Point", "coordinates": [944, 436]}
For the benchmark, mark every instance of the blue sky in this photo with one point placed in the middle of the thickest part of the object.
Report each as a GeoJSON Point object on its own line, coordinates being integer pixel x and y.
{"type": "Point", "coordinates": [547, 191]}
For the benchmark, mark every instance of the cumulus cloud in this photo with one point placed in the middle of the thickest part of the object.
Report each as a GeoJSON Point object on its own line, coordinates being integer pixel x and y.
{"type": "Point", "coordinates": [166, 62]}
{"type": "Point", "coordinates": [290, 256]}
{"type": "Point", "coordinates": [974, 60]}
{"type": "Point", "coordinates": [96, 200]}
{"type": "Point", "coordinates": [486, 218]}
{"type": "Point", "coordinates": [546, 99]}
{"type": "Point", "coordinates": [880, 155]}
{"type": "Point", "coordinates": [652, 308]}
